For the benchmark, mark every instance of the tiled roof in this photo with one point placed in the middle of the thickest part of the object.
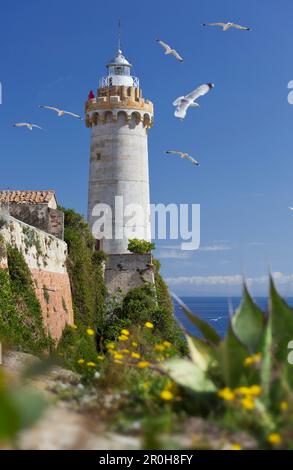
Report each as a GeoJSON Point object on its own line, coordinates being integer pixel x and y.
{"type": "Point", "coordinates": [27, 197]}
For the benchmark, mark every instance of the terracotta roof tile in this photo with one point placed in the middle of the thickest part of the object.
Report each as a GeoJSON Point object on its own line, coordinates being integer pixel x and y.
{"type": "Point", "coordinates": [27, 197]}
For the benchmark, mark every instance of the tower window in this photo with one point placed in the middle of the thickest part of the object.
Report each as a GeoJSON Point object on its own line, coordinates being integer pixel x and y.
{"type": "Point", "coordinates": [98, 155]}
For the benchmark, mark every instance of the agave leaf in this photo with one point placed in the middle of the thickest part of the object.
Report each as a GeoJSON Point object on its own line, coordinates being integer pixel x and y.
{"type": "Point", "coordinates": [248, 323]}
{"type": "Point", "coordinates": [202, 354]}
{"type": "Point", "coordinates": [267, 359]}
{"type": "Point", "coordinates": [188, 375]}
{"type": "Point", "coordinates": [29, 405]}
{"type": "Point", "coordinates": [232, 354]}
{"type": "Point", "coordinates": [282, 323]}
{"type": "Point", "coordinates": [9, 417]}
{"type": "Point", "coordinates": [208, 332]}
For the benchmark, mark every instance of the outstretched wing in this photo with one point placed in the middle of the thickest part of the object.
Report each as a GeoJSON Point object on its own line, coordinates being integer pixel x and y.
{"type": "Point", "coordinates": [178, 100]}
{"type": "Point", "coordinates": [200, 91]}
{"type": "Point", "coordinates": [181, 109]}
{"type": "Point", "coordinates": [34, 125]}
{"type": "Point", "coordinates": [174, 152]}
{"type": "Point", "coordinates": [193, 161]}
{"type": "Point", "coordinates": [72, 114]}
{"type": "Point", "coordinates": [238, 26]}
{"type": "Point", "coordinates": [164, 45]}
{"type": "Point", "coordinates": [51, 108]}
{"type": "Point", "coordinates": [178, 56]}
{"type": "Point", "coordinates": [21, 124]}
{"type": "Point", "coordinates": [214, 24]}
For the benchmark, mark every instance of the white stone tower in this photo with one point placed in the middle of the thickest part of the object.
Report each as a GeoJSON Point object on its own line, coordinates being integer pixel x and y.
{"type": "Point", "coordinates": [119, 118]}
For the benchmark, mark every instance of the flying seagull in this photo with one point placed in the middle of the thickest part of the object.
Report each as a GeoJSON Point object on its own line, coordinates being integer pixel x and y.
{"type": "Point", "coordinates": [184, 155]}
{"type": "Point", "coordinates": [169, 50]}
{"type": "Point", "coordinates": [189, 101]}
{"type": "Point", "coordinates": [28, 125]}
{"type": "Point", "coordinates": [291, 208]}
{"type": "Point", "coordinates": [226, 26]}
{"type": "Point", "coordinates": [61, 112]}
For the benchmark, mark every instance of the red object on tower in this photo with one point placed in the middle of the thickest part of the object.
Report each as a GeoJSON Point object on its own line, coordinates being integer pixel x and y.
{"type": "Point", "coordinates": [91, 95]}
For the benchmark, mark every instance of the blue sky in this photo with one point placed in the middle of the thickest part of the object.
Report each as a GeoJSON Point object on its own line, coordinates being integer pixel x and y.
{"type": "Point", "coordinates": [54, 52]}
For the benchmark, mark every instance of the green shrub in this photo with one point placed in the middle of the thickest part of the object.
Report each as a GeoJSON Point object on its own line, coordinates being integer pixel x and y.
{"type": "Point", "coordinates": [21, 319]}
{"type": "Point", "coordinates": [85, 270]}
{"type": "Point", "coordinates": [140, 246]}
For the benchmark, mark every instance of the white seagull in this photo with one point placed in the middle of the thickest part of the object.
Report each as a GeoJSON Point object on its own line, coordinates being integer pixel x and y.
{"type": "Point", "coordinates": [61, 112]}
{"type": "Point", "coordinates": [184, 155]}
{"type": "Point", "coordinates": [28, 125]}
{"type": "Point", "coordinates": [291, 208]}
{"type": "Point", "coordinates": [189, 101]}
{"type": "Point", "coordinates": [228, 25]}
{"type": "Point", "coordinates": [169, 50]}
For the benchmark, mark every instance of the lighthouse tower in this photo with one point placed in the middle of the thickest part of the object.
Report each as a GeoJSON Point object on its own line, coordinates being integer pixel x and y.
{"type": "Point", "coordinates": [119, 118]}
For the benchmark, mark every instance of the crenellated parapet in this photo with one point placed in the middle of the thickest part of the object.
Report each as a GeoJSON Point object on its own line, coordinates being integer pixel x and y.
{"type": "Point", "coordinates": [119, 100]}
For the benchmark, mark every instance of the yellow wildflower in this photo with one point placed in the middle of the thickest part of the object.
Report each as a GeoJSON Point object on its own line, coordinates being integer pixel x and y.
{"type": "Point", "coordinates": [160, 347]}
{"type": "Point", "coordinates": [134, 344]}
{"type": "Point", "coordinates": [166, 395]}
{"type": "Point", "coordinates": [146, 385]}
{"type": "Point", "coordinates": [80, 361]}
{"type": "Point", "coordinates": [123, 338]}
{"type": "Point", "coordinates": [226, 394]}
{"type": "Point", "coordinates": [274, 438]}
{"type": "Point", "coordinates": [248, 403]}
{"type": "Point", "coordinates": [255, 390]}
{"type": "Point", "coordinates": [118, 362]}
{"type": "Point", "coordinates": [125, 351]}
{"type": "Point", "coordinates": [284, 406]}
{"type": "Point", "coordinates": [242, 391]}
{"type": "Point", "coordinates": [110, 346]}
{"type": "Point", "coordinates": [118, 356]}
{"type": "Point", "coordinates": [254, 359]}
{"type": "Point", "coordinates": [125, 332]}
{"type": "Point", "coordinates": [143, 364]}
{"type": "Point", "coordinates": [101, 358]}
{"type": "Point", "coordinates": [167, 344]}
{"type": "Point", "coordinates": [74, 327]}
{"type": "Point", "coordinates": [135, 355]}
{"type": "Point", "coordinates": [91, 364]}
{"type": "Point", "coordinates": [235, 447]}
{"type": "Point", "coordinates": [90, 332]}
{"type": "Point", "coordinates": [149, 325]}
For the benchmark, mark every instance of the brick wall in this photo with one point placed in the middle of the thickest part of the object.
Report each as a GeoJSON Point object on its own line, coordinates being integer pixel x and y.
{"type": "Point", "coordinates": [46, 257]}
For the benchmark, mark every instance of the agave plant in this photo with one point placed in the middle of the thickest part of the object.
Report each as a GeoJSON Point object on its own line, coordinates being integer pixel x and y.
{"type": "Point", "coordinates": [254, 353]}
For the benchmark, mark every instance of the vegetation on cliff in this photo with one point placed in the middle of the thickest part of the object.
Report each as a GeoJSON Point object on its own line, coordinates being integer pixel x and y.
{"type": "Point", "coordinates": [21, 321]}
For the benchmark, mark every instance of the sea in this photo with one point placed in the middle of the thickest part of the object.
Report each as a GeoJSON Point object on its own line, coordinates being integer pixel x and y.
{"type": "Point", "coordinates": [215, 310]}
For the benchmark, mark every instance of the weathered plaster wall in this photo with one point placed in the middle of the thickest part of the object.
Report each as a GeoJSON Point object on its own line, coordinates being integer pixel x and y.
{"type": "Point", "coordinates": [127, 271]}
{"type": "Point", "coordinates": [41, 216]}
{"type": "Point", "coordinates": [46, 257]}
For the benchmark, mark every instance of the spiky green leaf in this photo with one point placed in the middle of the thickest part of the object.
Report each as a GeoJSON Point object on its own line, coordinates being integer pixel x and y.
{"type": "Point", "coordinates": [282, 323]}
{"type": "Point", "coordinates": [188, 375]}
{"type": "Point", "coordinates": [208, 332]}
{"type": "Point", "coordinates": [248, 323]}
{"type": "Point", "coordinates": [232, 354]}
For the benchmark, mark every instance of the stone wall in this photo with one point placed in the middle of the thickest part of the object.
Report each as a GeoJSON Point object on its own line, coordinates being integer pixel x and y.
{"type": "Point", "coordinates": [48, 219]}
{"type": "Point", "coordinates": [127, 271]}
{"type": "Point", "coordinates": [46, 257]}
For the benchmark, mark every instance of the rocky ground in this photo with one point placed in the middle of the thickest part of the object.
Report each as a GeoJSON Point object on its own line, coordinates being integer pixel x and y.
{"type": "Point", "coordinates": [74, 417]}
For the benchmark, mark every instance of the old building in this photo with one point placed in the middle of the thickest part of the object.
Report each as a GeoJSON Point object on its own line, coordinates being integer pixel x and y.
{"type": "Point", "coordinates": [31, 222]}
{"type": "Point", "coordinates": [36, 208]}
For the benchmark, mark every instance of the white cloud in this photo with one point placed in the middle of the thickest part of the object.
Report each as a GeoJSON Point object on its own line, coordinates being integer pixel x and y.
{"type": "Point", "coordinates": [224, 280]}
{"type": "Point", "coordinates": [173, 254]}
{"type": "Point", "coordinates": [215, 247]}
